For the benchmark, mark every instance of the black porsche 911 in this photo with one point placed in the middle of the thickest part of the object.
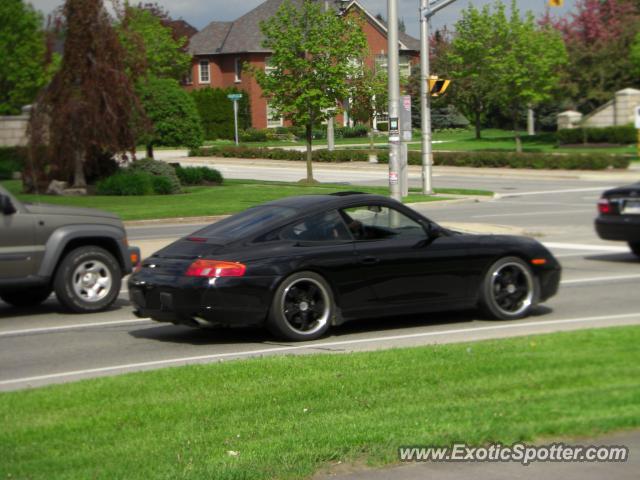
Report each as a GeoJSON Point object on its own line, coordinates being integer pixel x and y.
{"type": "Point", "coordinates": [619, 218]}
{"type": "Point", "coordinates": [302, 264]}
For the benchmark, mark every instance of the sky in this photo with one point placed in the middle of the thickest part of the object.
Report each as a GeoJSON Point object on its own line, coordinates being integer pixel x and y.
{"type": "Point", "coordinates": [200, 12]}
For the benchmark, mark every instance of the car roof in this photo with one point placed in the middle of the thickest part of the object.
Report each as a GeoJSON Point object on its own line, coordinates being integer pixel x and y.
{"type": "Point", "coordinates": [337, 200]}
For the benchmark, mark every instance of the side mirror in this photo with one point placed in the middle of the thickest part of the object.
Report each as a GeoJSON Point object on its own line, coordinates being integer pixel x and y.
{"type": "Point", "coordinates": [6, 207]}
{"type": "Point", "coordinates": [433, 230]}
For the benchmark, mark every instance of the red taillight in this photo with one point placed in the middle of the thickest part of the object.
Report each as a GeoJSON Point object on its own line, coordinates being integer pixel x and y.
{"type": "Point", "coordinates": [215, 269]}
{"type": "Point", "coordinates": [604, 206]}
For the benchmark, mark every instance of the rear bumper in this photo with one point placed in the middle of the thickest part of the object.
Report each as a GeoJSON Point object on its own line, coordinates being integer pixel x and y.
{"type": "Point", "coordinates": [618, 227]}
{"type": "Point", "coordinates": [199, 302]}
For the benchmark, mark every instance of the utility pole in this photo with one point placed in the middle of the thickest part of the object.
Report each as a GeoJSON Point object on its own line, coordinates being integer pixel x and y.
{"type": "Point", "coordinates": [394, 100]}
{"type": "Point", "coordinates": [330, 121]}
{"type": "Point", "coordinates": [428, 9]}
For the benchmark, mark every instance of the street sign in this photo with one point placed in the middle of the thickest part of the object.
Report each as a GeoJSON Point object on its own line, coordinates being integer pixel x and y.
{"type": "Point", "coordinates": [394, 129]}
{"type": "Point", "coordinates": [637, 110]}
{"type": "Point", "coordinates": [234, 96]}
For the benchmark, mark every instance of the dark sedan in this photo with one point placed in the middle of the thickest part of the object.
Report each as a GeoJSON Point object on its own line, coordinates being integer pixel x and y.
{"type": "Point", "coordinates": [619, 217]}
{"type": "Point", "coordinates": [302, 264]}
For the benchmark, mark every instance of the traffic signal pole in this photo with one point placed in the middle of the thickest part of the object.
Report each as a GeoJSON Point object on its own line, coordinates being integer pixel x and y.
{"type": "Point", "coordinates": [428, 8]}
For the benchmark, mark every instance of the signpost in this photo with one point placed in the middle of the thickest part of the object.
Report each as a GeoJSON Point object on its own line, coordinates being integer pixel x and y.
{"type": "Point", "coordinates": [235, 97]}
{"type": "Point", "coordinates": [406, 136]}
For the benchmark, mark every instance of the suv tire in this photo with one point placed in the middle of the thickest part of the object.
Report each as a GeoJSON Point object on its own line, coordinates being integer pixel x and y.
{"type": "Point", "coordinates": [87, 280]}
{"type": "Point", "coordinates": [26, 298]}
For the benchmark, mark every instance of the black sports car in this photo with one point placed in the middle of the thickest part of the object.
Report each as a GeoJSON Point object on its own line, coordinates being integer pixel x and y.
{"type": "Point", "coordinates": [302, 264]}
{"type": "Point", "coordinates": [619, 217]}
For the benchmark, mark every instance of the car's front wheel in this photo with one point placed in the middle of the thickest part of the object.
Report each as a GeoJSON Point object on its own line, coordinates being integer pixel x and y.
{"type": "Point", "coordinates": [87, 280]}
{"type": "Point", "coordinates": [509, 289]}
{"type": "Point", "coordinates": [302, 307]}
{"type": "Point", "coordinates": [635, 248]}
{"type": "Point", "coordinates": [26, 298]}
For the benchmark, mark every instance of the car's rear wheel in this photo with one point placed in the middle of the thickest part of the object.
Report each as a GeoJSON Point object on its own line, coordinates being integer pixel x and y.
{"type": "Point", "coordinates": [509, 289]}
{"type": "Point", "coordinates": [88, 280]}
{"type": "Point", "coordinates": [26, 298]}
{"type": "Point", "coordinates": [302, 307]}
{"type": "Point", "coordinates": [635, 248]}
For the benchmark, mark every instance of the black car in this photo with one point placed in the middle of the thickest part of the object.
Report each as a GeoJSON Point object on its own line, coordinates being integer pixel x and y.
{"type": "Point", "coordinates": [302, 264]}
{"type": "Point", "coordinates": [619, 216]}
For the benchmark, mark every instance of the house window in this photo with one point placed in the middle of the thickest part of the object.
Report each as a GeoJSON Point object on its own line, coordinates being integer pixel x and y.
{"type": "Point", "coordinates": [204, 71]}
{"type": "Point", "coordinates": [273, 120]}
{"type": "Point", "coordinates": [404, 65]}
{"type": "Point", "coordinates": [268, 66]}
{"type": "Point", "coordinates": [238, 64]}
{"type": "Point", "coordinates": [188, 78]}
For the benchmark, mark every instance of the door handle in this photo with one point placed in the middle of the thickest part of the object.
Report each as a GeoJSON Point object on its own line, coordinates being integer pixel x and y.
{"type": "Point", "coordinates": [369, 260]}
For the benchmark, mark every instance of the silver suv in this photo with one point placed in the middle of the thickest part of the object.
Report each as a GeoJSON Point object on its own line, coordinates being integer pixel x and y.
{"type": "Point", "coordinates": [80, 253]}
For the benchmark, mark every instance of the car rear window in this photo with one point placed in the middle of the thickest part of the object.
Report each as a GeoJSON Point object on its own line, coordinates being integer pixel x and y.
{"type": "Point", "coordinates": [246, 223]}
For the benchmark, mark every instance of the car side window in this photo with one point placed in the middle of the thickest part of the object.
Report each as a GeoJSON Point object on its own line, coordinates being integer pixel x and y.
{"type": "Point", "coordinates": [374, 222]}
{"type": "Point", "coordinates": [324, 227]}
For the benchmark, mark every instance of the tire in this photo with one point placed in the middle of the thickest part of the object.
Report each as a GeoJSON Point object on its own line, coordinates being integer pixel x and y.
{"type": "Point", "coordinates": [509, 289]}
{"type": "Point", "coordinates": [635, 248]}
{"type": "Point", "coordinates": [26, 298]}
{"type": "Point", "coordinates": [302, 307]}
{"type": "Point", "coordinates": [87, 280]}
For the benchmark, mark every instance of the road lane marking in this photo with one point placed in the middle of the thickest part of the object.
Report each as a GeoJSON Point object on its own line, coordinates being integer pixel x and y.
{"type": "Point", "coordinates": [585, 246]}
{"type": "Point", "coordinates": [599, 279]}
{"type": "Point", "coordinates": [532, 214]}
{"type": "Point", "coordinates": [311, 346]}
{"type": "Point", "coordinates": [547, 192]}
{"type": "Point", "coordinates": [61, 328]}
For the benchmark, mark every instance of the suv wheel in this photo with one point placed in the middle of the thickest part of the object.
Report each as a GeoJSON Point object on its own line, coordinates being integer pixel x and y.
{"type": "Point", "coordinates": [88, 280]}
{"type": "Point", "coordinates": [635, 248]}
{"type": "Point", "coordinates": [26, 298]}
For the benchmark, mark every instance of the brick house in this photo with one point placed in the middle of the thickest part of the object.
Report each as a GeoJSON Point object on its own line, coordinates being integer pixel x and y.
{"type": "Point", "coordinates": [221, 48]}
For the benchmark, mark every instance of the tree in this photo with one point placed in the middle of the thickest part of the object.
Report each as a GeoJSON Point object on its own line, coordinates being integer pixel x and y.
{"type": "Point", "coordinates": [527, 66]}
{"type": "Point", "coordinates": [22, 50]}
{"type": "Point", "coordinates": [312, 58]}
{"type": "Point", "coordinates": [474, 46]}
{"type": "Point", "coordinates": [90, 107]}
{"type": "Point", "coordinates": [150, 45]}
{"type": "Point", "coordinates": [173, 114]}
{"type": "Point", "coordinates": [369, 97]}
{"type": "Point", "coordinates": [598, 38]}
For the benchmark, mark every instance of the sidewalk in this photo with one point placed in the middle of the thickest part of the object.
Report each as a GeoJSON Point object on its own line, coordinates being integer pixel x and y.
{"type": "Point", "coordinates": [629, 470]}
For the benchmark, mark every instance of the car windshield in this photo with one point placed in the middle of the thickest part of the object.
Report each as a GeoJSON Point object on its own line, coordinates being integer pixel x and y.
{"type": "Point", "coordinates": [246, 223]}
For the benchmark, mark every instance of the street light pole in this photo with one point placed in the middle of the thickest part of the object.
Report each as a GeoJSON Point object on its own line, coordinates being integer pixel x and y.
{"type": "Point", "coordinates": [394, 100]}
{"type": "Point", "coordinates": [425, 100]}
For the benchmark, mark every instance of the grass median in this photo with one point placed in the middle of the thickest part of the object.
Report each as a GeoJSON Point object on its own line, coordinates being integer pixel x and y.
{"type": "Point", "coordinates": [289, 416]}
{"type": "Point", "coordinates": [231, 197]}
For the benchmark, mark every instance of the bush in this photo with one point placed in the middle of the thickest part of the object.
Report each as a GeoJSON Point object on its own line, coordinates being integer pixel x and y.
{"type": "Point", "coordinates": [126, 183]}
{"type": "Point", "coordinates": [383, 126]}
{"type": "Point", "coordinates": [253, 135]}
{"type": "Point", "coordinates": [626, 134]}
{"type": "Point", "coordinates": [161, 185]}
{"type": "Point", "coordinates": [12, 159]}
{"type": "Point", "coordinates": [159, 169]}
{"type": "Point", "coordinates": [216, 112]}
{"type": "Point", "coordinates": [358, 131]}
{"type": "Point", "coordinates": [593, 161]}
{"type": "Point", "coordinates": [198, 175]}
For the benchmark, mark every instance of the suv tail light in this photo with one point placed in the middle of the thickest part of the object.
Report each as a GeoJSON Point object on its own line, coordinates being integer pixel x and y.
{"type": "Point", "coordinates": [215, 269]}
{"type": "Point", "coordinates": [604, 206]}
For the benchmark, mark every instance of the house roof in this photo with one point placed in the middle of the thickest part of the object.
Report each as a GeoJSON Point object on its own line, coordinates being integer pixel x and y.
{"type": "Point", "coordinates": [244, 35]}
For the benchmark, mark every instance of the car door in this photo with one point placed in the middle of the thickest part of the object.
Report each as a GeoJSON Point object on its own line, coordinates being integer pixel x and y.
{"type": "Point", "coordinates": [18, 252]}
{"type": "Point", "coordinates": [407, 271]}
{"type": "Point", "coordinates": [322, 243]}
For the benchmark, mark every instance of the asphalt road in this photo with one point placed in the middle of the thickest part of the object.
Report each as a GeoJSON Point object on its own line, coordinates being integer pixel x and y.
{"type": "Point", "coordinates": [43, 345]}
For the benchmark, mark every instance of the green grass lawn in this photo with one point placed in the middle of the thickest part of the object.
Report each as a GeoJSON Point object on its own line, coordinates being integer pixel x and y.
{"type": "Point", "coordinates": [464, 140]}
{"type": "Point", "coordinates": [287, 417]}
{"type": "Point", "coordinates": [232, 197]}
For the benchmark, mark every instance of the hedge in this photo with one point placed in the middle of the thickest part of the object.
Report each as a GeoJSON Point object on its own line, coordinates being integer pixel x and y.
{"type": "Point", "coordinates": [158, 169]}
{"type": "Point", "coordinates": [626, 134]}
{"type": "Point", "coordinates": [591, 161]}
{"type": "Point", "coordinates": [216, 112]}
{"type": "Point", "coordinates": [198, 175]}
